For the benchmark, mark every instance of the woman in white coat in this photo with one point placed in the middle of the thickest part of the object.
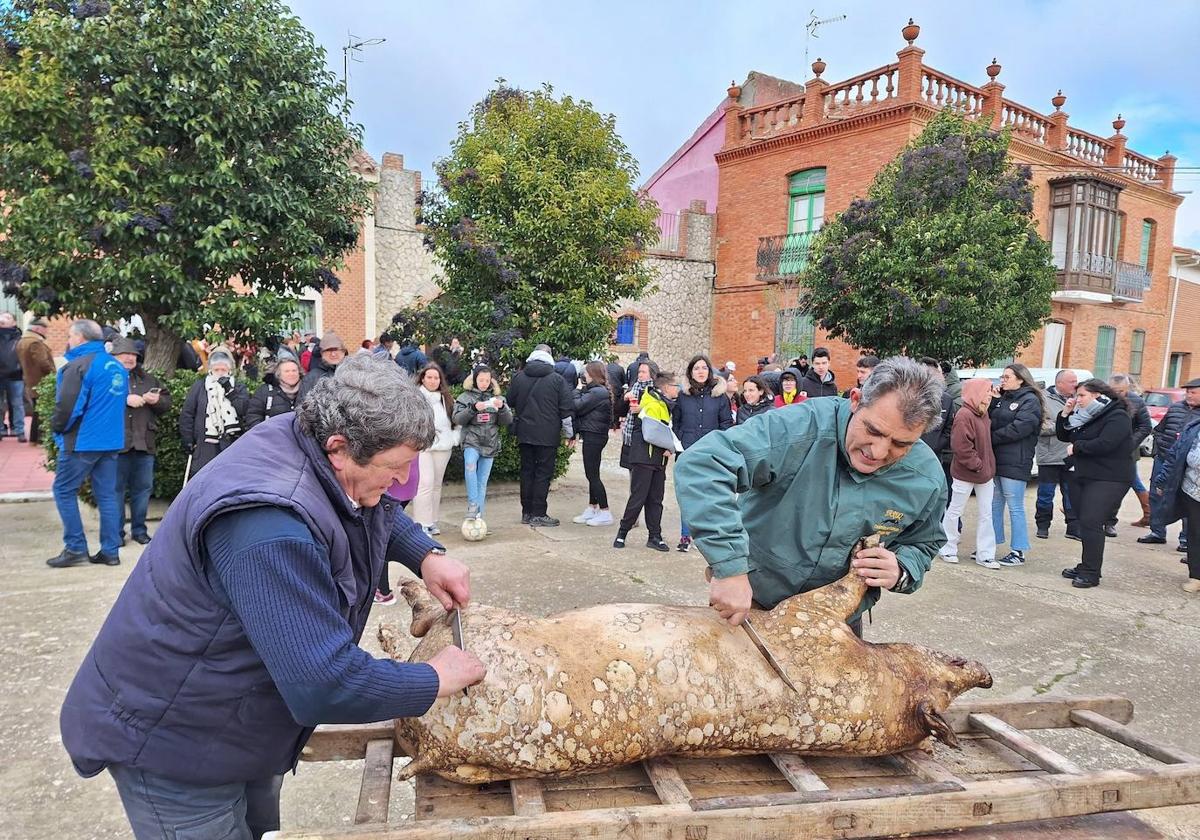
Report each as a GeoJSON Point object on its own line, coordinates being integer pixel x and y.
{"type": "Point", "coordinates": [427, 505]}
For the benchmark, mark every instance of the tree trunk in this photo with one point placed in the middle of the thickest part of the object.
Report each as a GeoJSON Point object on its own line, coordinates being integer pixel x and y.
{"type": "Point", "coordinates": [162, 347]}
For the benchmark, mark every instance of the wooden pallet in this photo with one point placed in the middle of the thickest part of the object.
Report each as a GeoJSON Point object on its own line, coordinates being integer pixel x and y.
{"type": "Point", "coordinates": [1001, 784]}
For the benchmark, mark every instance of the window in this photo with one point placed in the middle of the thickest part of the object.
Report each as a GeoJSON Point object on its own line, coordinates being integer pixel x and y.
{"type": "Point", "coordinates": [305, 312]}
{"type": "Point", "coordinates": [1175, 370]}
{"type": "Point", "coordinates": [795, 333]}
{"type": "Point", "coordinates": [806, 214]}
{"type": "Point", "coordinates": [1084, 228]}
{"type": "Point", "coordinates": [1147, 239]}
{"type": "Point", "coordinates": [626, 330]}
{"type": "Point", "coordinates": [1106, 343]}
{"type": "Point", "coordinates": [1136, 350]}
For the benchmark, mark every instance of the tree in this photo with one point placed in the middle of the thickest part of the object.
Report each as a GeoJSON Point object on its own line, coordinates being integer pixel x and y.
{"type": "Point", "coordinates": [942, 258]}
{"type": "Point", "coordinates": [537, 225]}
{"type": "Point", "coordinates": [151, 150]}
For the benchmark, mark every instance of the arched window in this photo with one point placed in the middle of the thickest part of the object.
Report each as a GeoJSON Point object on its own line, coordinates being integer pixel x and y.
{"type": "Point", "coordinates": [626, 330]}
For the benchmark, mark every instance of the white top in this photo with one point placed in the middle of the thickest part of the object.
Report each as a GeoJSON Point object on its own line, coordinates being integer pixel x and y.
{"type": "Point", "coordinates": [444, 438]}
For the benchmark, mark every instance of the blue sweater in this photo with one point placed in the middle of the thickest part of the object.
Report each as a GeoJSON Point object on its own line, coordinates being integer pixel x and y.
{"type": "Point", "coordinates": [272, 575]}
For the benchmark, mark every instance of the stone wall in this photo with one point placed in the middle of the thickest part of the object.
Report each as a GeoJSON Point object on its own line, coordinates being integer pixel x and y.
{"type": "Point", "coordinates": [405, 270]}
{"type": "Point", "coordinates": [674, 320]}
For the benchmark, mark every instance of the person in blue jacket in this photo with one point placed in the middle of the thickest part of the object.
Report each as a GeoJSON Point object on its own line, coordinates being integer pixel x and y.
{"type": "Point", "coordinates": [1177, 489]}
{"type": "Point", "coordinates": [89, 431]}
{"type": "Point", "coordinates": [238, 630]}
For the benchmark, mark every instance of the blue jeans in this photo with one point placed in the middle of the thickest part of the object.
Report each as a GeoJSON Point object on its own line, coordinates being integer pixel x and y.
{"type": "Point", "coordinates": [477, 470]}
{"type": "Point", "coordinates": [14, 392]}
{"type": "Point", "coordinates": [162, 809]}
{"type": "Point", "coordinates": [1157, 508]}
{"type": "Point", "coordinates": [135, 477]}
{"type": "Point", "coordinates": [69, 474]}
{"type": "Point", "coordinates": [1010, 491]}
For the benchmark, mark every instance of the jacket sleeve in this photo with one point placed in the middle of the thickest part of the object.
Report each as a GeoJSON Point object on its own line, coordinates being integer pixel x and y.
{"type": "Point", "coordinates": [677, 415]}
{"type": "Point", "coordinates": [1165, 431]}
{"type": "Point", "coordinates": [917, 545]}
{"type": "Point", "coordinates": [464, 410]}
{"type": "Point", "coordinates": [964, 447]}
{"type": "Point", "coordinates": [1114, 435]}
{"type": "Point", "coordinates": [711, 473]}
{"type": "Point", "coordinates": [187, 415]}
{"type": "Point", "coordinates": [72, 397]}
{"type": "Point", "coordinates": [1026, 422]}
{"type": "Point", "coordinates": [239, 398]}
{"type": "Point", "coordinates": [1142, 427]}
{"type": "Point", "coordinates": [725, 414]}
{"type": "Point", "coordinates": [256, 409]}
{"type": "Point", "coordinates": [1061, 430]}
{"type": "Point", "coordinates": [43, 359]}
{"type": "Point", "coordinates": [408, 543]}
{"type": "Point", "coordinates": [164, 398]}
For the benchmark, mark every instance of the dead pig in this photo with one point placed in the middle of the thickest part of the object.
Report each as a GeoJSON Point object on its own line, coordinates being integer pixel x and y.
{"type": "Point", "coordinates": [614, 684]}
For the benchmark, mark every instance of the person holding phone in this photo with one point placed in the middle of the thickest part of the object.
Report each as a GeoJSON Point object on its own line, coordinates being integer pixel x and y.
{"type": "Point", "coordinates": [146, 402]}
{"type": "Point", "coordinates": [480, 411]}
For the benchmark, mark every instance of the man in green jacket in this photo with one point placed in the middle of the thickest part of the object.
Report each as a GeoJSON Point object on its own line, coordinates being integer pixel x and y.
{"type": "Point", "coordinates": [779, 502]}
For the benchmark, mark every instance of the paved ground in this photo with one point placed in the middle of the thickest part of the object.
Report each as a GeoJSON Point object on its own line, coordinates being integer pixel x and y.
{"type": "Point", "coordinates": [22, 469]}
{"type": "Point", "coordinates": [1136, 635]}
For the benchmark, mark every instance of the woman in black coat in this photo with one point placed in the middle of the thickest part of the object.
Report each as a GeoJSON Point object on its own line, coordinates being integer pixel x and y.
{"type": "Point", "coordinates": [1098, 430]}
{"type": "Point", "coordinates": [1016, 416]}
{"type": "Point", "coordinates": [702, 407]}
{"type": "Point", "coordinates": [593, 419]}
{"type": "Point", "coordinates": [275, 397]}
{"type": "Point", "coordinates": [213, 413]}
{"type": "Point", "coordinates": [756, 399]}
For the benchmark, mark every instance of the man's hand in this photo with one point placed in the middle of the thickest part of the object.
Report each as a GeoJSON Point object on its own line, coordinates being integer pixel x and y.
{"type": "Point", "coordinates": [456, 669]}
{"type": "Point", "coordinates": [877, 566]}
{"type": "Point", "coordinates": [150, 398]}
{"type": "Point", "coordinates": [570, 443]}
{"type": "Point", "coordinates": [134, 401]}
{"type": "Point", "coordinates": [1070, 449]}
{"type": "Point", "coordinates": [481, 405]}
{"type": "Point", "coordinates": [731, 597]}
{"type": "Point", "coordinates": [447, 580]}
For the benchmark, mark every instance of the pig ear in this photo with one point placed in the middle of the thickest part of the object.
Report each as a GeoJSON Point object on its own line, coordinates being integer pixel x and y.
{"type": "Point", "coordinates": [935, 724]}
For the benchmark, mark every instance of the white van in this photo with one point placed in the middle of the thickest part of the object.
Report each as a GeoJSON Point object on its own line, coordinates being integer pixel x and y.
{"type": "Point", "coordinates": [1043, 376]}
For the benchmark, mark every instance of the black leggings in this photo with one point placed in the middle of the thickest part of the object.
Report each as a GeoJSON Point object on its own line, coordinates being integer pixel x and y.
{"type": "Point", "coordinates": [1093, 501]}
{"type": "Point", "coordinates": [593, 448]}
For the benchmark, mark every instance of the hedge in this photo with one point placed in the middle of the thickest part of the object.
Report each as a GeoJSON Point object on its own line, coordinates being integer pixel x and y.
{"type": "Point", "coordinates": [171, 460]}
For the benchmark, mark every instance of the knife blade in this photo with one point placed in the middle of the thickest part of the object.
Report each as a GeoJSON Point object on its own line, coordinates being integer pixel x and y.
{"type": "Point", "coordinates": [456, 632]}
{"type": "Point", "coordinates": [766, 652]}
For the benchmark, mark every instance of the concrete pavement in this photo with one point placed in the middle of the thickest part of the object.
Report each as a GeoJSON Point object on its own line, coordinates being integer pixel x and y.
{"type": "Point", "coordinates": [1136, 635]}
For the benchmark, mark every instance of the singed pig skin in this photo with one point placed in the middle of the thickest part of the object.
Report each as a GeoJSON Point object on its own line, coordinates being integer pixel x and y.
{"type": "Point", "coordinates": [614, 684]}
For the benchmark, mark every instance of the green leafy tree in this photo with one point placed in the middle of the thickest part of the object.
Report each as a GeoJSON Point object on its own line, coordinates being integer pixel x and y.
{"type": "Point", "coordinates": [150, 150]}
{"type": "Point", "coordinates": [942, 258]}
{"type": "Point", "coordinates": [538, 227]}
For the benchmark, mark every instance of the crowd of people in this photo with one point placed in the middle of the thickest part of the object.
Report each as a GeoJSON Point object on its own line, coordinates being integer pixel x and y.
{"type": "Point", "coordinates": [1085, 436]}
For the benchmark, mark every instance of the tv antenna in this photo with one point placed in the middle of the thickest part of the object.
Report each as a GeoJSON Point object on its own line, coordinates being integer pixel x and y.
{"type": "Point", "coordinates": [351, 52]}
{"type": "Point", "coordinates": [815, 23]}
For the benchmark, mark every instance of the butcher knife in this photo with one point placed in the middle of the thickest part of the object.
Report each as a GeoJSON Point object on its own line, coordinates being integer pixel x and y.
{"type": "Point", "coordinates": [456, 632]}
{"type": "Point", "coordinates": [766, 652]}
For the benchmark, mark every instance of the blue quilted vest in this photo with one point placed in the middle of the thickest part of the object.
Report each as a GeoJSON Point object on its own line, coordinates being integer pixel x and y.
{"type": "Point", "coordinates": [171, 684]}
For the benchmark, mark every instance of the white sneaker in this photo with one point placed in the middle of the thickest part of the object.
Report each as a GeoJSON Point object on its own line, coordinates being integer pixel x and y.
{"type": "Point", "coordinates": [948, 558]}
{"type": "Point", "coordinates": [586, 516]}
{"type": "Point", "coordinates": [602, 517]}
{"type": "Point", "coordinates": [988, 564]}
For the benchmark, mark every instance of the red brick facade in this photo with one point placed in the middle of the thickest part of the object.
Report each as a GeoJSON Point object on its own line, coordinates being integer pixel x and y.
{"type": "Point", "coordinates": [853, 129]}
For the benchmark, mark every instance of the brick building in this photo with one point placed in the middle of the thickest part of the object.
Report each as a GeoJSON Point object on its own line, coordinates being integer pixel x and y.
{"type": "Point", "coordinates": [794, 155]}
{"type": "Point", "coordinates": [1182, 357]}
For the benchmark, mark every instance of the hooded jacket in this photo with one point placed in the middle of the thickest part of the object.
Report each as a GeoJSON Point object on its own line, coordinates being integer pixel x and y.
{"type": "Point", "coordinates": [1101, 445]}
{"type": "Point", "coordinates": [938, 438]}
{"type": "Point", "coordinates": [269, 401]}
{"type": "Point", "coordinates": [973, 460]}
{"type": "Point", "coordinates": [411, 358]}
{"type": "Point", "coordinates": [777, 388]}
{"type": "Point", "coordinates": [1142, 427]}
{"type": "Point", "coordinates": [541, 401]}
{"type": "Point", "coordinates": [89, 413]}
{"type": "Point", "coordinates": [777, 499]}
{"type": "Point", "coordinates": [37, 362]}
{"type": "Point", "coordinates": [1168, 480]}
{"type": "Point", "coordinates": [701, 409]}
{"type": "Point", "coordinates": [1178, 417]}
{"type": "Point", "coordinates": [320, 369]}
{"type": "Point", "coordinates": [481, 428]}
{"type": "Point", "coordinates": [1016, 419]}
{"type": "Point", "coordinates": [593, 410]}
{"type": "Point", "coordinates": [815, 386]}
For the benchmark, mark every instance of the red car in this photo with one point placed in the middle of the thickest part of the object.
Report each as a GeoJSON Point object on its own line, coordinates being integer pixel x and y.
{"type": "Point", "coordinates": [1158, 400]}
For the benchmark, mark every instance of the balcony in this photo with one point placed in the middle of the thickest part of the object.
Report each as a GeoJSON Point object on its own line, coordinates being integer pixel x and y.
{"type": "Point", "coordinates": [782, 258]}
{"type": "Point", "coordinates": [1094, 274]}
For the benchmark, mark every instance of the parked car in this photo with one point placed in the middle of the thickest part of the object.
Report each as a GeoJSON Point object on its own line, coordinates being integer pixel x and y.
{"type": "Point", "coordinates": [1158, 400]}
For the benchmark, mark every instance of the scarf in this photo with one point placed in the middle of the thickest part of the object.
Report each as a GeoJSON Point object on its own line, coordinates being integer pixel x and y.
{"type": "Point", "coordinates": [220, 418]}
{"type": "Point", "coordinates": [638, 388]}
{"type": "Point", "coordinates": [789, 397]}
{"type": "Point", "coordinates": [1080, 416]}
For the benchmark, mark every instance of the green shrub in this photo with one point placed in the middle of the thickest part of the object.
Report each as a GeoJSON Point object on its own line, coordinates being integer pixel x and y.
{"type": "Point", "coordinates": [170, 460]}
{"type": "Point", "coordinates": [507, 466]}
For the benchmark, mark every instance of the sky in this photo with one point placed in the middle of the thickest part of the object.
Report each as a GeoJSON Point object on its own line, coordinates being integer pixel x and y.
{"type": "Point", "coordinates": [661, 66]}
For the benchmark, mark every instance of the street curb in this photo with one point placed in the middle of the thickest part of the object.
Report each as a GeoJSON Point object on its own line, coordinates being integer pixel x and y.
{"type": "Point", "coordinates": [27, 496]}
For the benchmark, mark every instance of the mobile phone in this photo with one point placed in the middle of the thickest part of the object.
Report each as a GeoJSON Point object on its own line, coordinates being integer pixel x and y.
{"type": "Point", "coordinates": [154, 391]}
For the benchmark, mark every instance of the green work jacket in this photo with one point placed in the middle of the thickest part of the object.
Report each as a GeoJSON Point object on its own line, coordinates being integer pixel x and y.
{"type": "Point", "coordinates": [777, 498]}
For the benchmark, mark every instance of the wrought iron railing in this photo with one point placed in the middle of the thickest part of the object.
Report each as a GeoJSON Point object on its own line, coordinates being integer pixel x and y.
{"type": "Point", "coordinates": [1131, 282]}
{"type": "Point", "coordinates": [783, 257]}
{"type": "Point", "coordinates": [668, 232]}
{"type": "Point", "coordinates": [1104, 275]}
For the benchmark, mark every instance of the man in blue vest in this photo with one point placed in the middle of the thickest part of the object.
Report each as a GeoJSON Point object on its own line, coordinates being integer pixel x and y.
{"type": "Point", "coordinates": [238, 630]}
{"type": "Point", "coordinates": [89, 431]}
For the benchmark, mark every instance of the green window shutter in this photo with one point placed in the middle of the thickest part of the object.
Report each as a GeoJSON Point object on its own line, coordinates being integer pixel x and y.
{"type": "Point", "coordinates": [806, 214]}
{"type": "Point", "coordinates": [1106, 342]}
{"type": "Point", "coordinates": [1147, 234]}
{"type": "Point", "coordinates": [1136, 352]}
